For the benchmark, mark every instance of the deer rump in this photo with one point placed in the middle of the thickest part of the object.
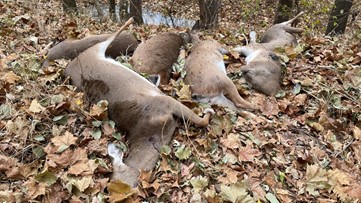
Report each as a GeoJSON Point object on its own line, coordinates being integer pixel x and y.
{"type": "Point", "coordinates": [157, 55]}
{"type": "Point", "coordinates": [263, 69]}
{"type": "Point", "coordinates": [138, 108]}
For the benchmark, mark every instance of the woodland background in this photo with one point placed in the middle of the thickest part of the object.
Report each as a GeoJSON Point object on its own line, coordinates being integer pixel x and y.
{"type": "Point", "coordinates": [53, 143]}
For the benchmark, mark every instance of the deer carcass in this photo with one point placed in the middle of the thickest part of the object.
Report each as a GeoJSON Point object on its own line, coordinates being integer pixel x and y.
{"type": "Point", "coordinates": [207, 77]}
{"type": "Point", "coordinates": [138, 108]}
{"type": "Point", "coordinates": [157, 55]}
{"type": "Point", "coordinates": [124, 43]}
{"type": "Point", "coordinates": [263, 68]}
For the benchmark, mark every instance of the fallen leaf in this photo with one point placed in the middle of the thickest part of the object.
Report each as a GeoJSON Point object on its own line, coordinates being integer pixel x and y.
{"type": "Point", "coordinates": [183, 152]}
{"type": "Point", "coordinates": [34, 189]}
{"type": "Point", "coordinates": [229, 176]}
{"type": "Point", "coordinates": [100, 110]}
{"type": "Point", "coordinates": [83, 168]}
{"type": "Point", "coordinates": [272, 198]}
{"type": "Point", "coordinates": [300, 99]}
{"type": "Point", "coordinates": [83, 183]}
{"type": "Point", "coordinates": [356, 133]}
{"type": "Point", "coordinates": [119, 191]}
{"type": "Point", "coordinates": [46, 177]}
{"type": "Point", "coordinates": [64, 141]}
{"type": "Point", "coordinates": [316, 178]}
{"type": "Point", "coordinates": [236, 193]}
{"type": "Point", "coordinates": [269, 107]}
{"type": "Point", "coordinates": [248, 153]}
{"type": "Point", "coordinates": [35, 107]}
{"type": "Point", "coordinates": [198, 183]}
{"type": "Point", "coordinates": [232, 141]}
{"type": "Point", "coordinates": [10, 77]}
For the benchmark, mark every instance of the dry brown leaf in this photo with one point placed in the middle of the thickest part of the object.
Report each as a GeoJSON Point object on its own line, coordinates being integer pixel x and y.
{"type": "Point", "coordinates": [100, 110]}
{"type": "Point", "coordinates": [34, 189]}
{"type": "Point", "coordinates": [232, 141]}
{"type": "Point", "coordinates": [229, 176]}
{"type": "Point", "coordinates": [83, 183]}
{"type": "Point", "coordinates": [66, 139]}
{"type": "Point", "coordinates": [300, 99]}
{"type": "Point", "coordinates": [66, 158]}
{"type": "Point", "coordinates": [119, 191]}
{"type": "Point", "coordinates": [356, 133]}
{"type": "Point", "coordinates": [35, 107]}
{"type": "Point", "coordinates": [107, 129]}
{"type": "Point", "coordinates": [269, 107]}
{"type": "Point", "coordinates": [83, 168]}
{"type": "Point", "coordinates": [248, 153]}
{"type": "Point", "coordinates": [10, 77]}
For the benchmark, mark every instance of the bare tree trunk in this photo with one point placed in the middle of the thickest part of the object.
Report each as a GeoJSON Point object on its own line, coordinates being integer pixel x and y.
{"type": "Point", "coordinates": [99, 9]}
{"type": "Point", "coordinates": [112, 9]}
{"type": "Point", "coordinates": [69, 6]}
{"type": "Point", "coordinates": [338, 17]}
{"type": "Point", "coordinates": [123, 10]}
{"type": "Point", "coordinates": [209, 10]}
{"type": "Point", "coordinates": [284, 11]}
{"type": "Point", "coordinates": [136, 11]}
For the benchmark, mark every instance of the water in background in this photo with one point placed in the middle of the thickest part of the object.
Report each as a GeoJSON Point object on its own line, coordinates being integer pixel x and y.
{"type": "Point", "coordinates": [157, 18]}
{"type": "Point", "coordinates": [149, 17]}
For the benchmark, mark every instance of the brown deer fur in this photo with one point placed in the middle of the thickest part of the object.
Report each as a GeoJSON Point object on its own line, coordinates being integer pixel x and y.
{"type": "Point", "coordinates": [207, 77]}
{"type": "Point", "coordinates": [281, 34]}
{"type": "Point", "coordinates": [263, 70]}
{"type": "Point", "coordinates": [138, 108]}
{"type": "Point", "coordinates": [157, 55]}
{"type": "Point", "coordinates": [124, 43]}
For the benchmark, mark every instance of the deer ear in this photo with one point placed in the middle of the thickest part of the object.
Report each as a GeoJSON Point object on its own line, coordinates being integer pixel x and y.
{"type": "Point", "coordinates": [190, 36]}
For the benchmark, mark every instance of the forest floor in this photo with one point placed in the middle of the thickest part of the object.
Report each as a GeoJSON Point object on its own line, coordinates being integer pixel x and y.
{"type": "Point", "coordinates": [304, 145]}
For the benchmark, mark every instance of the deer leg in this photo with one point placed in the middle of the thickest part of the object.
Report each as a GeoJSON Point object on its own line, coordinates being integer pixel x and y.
{"type": "Point", "coordinates": [232, 94]}
{"type": "Point", "coordinates": [145, 146]}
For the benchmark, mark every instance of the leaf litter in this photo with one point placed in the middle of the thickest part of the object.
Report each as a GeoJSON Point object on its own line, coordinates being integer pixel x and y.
{"type": "Point", "coordinates": [303, 146]}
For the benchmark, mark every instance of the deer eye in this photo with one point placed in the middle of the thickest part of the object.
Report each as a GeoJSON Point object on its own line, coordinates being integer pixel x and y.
{"type": "Point", "coordinates": [273, 56]}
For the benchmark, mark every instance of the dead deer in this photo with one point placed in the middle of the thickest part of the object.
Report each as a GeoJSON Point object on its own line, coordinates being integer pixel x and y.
{"type": "Point", "coordinates": [281, 34]}
{"type": "Point", "coordinates": [138, 108]}
{"type": "Point", "coordinates": [207, 77]}
{"type": "Point", "coordinates": [157, 55]}
{"type": "Point", "coordinates": [125, 43]}
{"type": "Point", "coordinates": [263, 68]}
